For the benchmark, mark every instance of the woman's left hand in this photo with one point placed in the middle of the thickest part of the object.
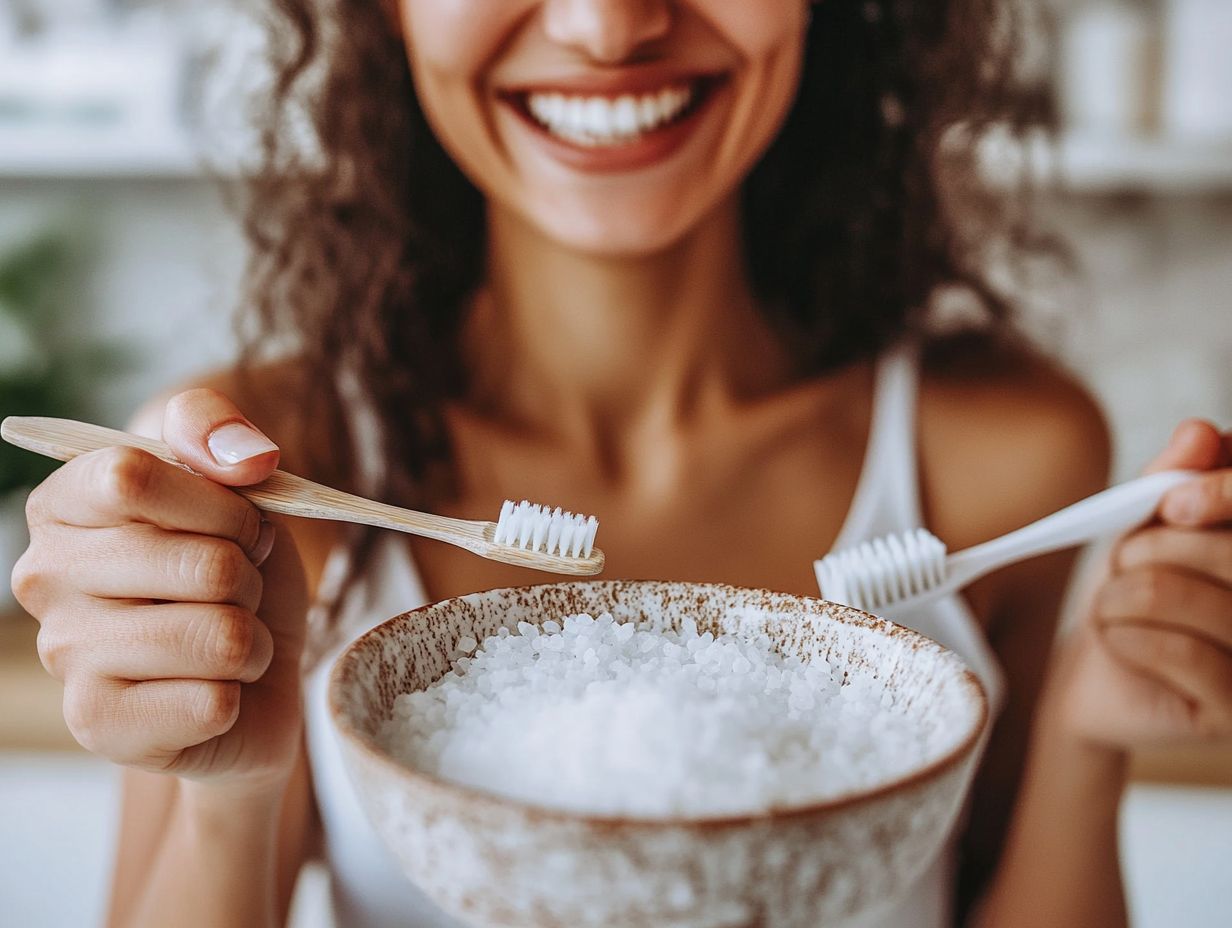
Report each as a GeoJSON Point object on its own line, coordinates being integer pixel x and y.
{"type": "Point", "coordinates": [1152, 663]}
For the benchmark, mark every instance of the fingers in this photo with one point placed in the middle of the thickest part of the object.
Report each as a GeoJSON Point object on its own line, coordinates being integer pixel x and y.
{"type": "Point", "coordinates": [136, 562]}
{"type": "Point", "coordinates": [156, 641]}
{"type": "Point", "coordinates": [209, 434]}
{"type": "Point", "coordinates": [1167, 599]}
{"type": "Point", "coordinates": [1202, 552]}
{"type": "Point", "coordinates": [118, 485]}
{"type": "Point", "coordinates": [1165, 612]}
{"type": "Point", "coordinates": [149, 724]}
{"type": "Point", "coordinates": [1206, 500]}
{"type": "Point", "coordinates": [1186, 664]}
{"type": "Point", "coordinates": [1195, 445]}
{"type": "Point", "coordinates": [144, 579]}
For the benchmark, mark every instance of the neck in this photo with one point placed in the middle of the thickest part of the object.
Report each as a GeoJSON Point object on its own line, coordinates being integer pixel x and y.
{"type": "Point", "coordinates": [591, 345]}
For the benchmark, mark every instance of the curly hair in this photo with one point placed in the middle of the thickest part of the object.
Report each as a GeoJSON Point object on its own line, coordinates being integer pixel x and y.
{"type": "Point", "coordinates": [367, 243]}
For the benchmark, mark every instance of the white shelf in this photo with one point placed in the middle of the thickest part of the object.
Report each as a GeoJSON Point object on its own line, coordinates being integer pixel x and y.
{"type": "Point", "coordinates": [103, 152]}
{"type": "Point", "coordinates": [1088, 163]}
{"type": "Point", "coordinates": [1094, 163]}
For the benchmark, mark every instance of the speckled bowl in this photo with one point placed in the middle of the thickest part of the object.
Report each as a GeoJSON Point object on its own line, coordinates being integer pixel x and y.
{"type": "Point", "coordinates": [493, 861]}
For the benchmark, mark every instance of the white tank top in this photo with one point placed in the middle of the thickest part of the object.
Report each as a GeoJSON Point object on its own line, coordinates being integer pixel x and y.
{"type": "Point", "coordinates": [367, 887]}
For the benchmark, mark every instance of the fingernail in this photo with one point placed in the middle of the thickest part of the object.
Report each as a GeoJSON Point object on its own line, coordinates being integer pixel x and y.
{"type": "Point", "coordinates": [236, 442]}
{"type": "Point", "coordinates": [265, 542]}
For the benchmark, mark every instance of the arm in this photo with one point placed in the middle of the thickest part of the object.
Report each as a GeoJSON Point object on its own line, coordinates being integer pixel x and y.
{"type": "Point", "coordinates": [185, 853]}
{"type": "Point", "coordinates": [182, 851]}
{"type": "Point", "coordinates": [174, 615]}
{"type": "Point", "coordinates": [1041, 444]}
{"type": "Point", "coordinates": [1043, 838]}
{"type": "Point", "coordinates": [1061, 864]}
{"type": "Point", "coordinates": [1148, 664]}
{"type": "Point", "coordinates": [1061, 798]}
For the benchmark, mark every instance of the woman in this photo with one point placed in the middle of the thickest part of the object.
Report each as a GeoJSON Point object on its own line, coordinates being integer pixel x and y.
{"type": "Point", "coordinates": [666, 262]}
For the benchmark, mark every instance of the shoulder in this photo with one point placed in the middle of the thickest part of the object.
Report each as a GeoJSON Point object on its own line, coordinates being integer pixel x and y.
{"type": "Point", "coordinates": [1006, 437]}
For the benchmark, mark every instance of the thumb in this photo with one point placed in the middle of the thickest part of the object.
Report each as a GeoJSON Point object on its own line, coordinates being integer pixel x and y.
{"type": "Point", "coordinates": [209, 434]}
{"type": "Point", "coordinates": [1195, 445]}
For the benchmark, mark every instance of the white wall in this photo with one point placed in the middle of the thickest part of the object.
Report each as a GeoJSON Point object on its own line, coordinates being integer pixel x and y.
{"type": "Point", "coordinates": [1152, 332]}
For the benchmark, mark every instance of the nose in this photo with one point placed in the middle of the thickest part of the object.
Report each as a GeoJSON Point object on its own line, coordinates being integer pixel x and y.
{"type": "Point", "coordinates": [607, 31]}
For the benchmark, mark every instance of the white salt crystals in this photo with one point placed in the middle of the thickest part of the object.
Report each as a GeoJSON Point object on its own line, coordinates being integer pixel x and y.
{"type": "Point", "coordinates": [595, 716]}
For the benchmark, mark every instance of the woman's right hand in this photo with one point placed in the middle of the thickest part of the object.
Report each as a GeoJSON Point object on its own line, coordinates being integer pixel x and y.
{"type": "Point", "coordinates": [167, 609]}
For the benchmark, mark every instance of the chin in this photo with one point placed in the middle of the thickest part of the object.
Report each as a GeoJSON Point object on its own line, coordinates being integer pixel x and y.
{"type": "Point", "coordinates": [630, 229]}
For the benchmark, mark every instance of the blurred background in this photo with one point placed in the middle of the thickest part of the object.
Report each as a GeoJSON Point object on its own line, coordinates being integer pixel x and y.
{"type": "Point", "coordinates": [119, 271]}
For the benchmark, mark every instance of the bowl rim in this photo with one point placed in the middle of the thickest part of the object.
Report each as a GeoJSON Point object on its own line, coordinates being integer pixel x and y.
{"type": "Point", "coordinates": [474, 796]}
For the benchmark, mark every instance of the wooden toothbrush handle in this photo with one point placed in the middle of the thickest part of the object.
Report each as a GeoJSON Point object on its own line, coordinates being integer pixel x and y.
{"type": "Point", "coordinates": [65, 439]}
{"type": "Point", "coordinates": [281, 492]}
{"type": "Point", "coordinates": [287, 494]}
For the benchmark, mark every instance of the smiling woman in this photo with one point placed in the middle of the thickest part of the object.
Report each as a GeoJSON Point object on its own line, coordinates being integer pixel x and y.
{"type": "Point", "coordinates": [672, 263]}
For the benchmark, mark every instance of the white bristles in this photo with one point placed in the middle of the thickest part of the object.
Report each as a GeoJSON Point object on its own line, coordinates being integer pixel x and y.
{"type": "Point", "coordinates": [883, 571]}
{"type": "Point", "coordinates": [550, 531]}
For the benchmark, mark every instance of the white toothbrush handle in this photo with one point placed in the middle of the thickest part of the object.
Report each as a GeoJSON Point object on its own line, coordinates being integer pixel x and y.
{"type": "Point", "coordinates": [1114, 510]}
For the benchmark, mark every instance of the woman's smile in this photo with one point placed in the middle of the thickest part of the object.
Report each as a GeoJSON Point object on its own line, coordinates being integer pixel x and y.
{"type": "Point", "coordinates": [615, 122]}
{"type": "Point", "coordinates": [617, 132]}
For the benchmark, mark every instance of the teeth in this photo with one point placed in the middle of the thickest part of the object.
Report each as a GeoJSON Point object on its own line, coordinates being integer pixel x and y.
{"type": "Point", "coordinates": [624, 116]}
{"type": "Point", "coordinates": [601, 120]}
{"type": "Point", "coordinates": [648, 111]}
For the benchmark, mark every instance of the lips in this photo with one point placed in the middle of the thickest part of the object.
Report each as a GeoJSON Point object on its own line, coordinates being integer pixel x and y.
{"type": "Point", "coordinates": [612, 117]}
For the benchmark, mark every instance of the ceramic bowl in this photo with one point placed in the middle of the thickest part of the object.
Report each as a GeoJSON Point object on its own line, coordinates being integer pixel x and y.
{"type": "Point", "coordinates": [493, 861]}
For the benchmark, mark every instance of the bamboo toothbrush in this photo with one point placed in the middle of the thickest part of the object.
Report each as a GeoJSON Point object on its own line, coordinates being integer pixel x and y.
{"type": "Point", "coordinates": [910, 568]}
{"type": "Point", "coordinates": [526, 534]}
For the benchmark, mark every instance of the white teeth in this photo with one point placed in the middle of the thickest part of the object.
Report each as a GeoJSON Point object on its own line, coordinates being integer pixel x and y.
{"type": "Point", "coordinates": [601, 120]}
{"type": "Point", "coordinates": [543, 108]}
{"type": "Point", "coordinates": [597, 120]}
{"type": "Point", "coordinates": [648, 111]}
{"type": "Point", "coordinates": [624, 116]}
{"type": "Point", "coordinates": [573, 119]}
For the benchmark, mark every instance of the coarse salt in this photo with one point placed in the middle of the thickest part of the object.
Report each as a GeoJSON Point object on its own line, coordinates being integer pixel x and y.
{"type": "Point", "coordinates": [601, 717]}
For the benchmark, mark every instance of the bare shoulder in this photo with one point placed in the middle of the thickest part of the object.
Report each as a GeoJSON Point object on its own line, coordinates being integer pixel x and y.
{"type": "Point", "coordinates": [1007, 436]}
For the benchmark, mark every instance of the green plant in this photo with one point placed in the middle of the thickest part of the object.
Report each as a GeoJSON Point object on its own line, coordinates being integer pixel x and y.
{"type": "Point", "coordinates": [49, 364]}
